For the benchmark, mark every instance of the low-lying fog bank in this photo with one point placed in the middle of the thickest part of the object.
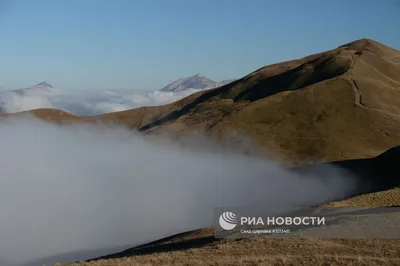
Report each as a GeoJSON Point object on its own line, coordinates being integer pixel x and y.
{"type": "Point", "coordinates": [72, 188]}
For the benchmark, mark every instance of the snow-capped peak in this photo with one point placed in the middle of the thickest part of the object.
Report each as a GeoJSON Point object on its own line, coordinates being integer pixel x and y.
{"type": "Point", "coordinates": [43, 84]}
{"type": "Point", "coordinates": [196, 82]}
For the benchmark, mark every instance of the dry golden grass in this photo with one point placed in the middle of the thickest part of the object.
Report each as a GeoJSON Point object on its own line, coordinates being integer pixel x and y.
{"type": "Point", "coordinates": [372, 200]}
{"type": "Point", "coordinates": [262, 251]}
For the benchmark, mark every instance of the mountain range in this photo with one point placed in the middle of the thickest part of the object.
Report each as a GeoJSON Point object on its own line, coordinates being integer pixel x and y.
{"type": "Point", "coordinates": [195, 82]}
{"type": "Point", "coordinates": [95, 102]}
{"type": "Point", "coordinates": [339, 104]}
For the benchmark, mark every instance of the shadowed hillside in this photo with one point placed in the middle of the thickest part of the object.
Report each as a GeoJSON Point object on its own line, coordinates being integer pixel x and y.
{"type": "Point", "coordinates": [374, 174]}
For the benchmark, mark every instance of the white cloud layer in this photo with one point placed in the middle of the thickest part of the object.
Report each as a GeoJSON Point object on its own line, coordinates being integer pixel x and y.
{"type": "Point", "coordinates": [88, 102]}
{"type": "Point", "coordinates": [76, 187]}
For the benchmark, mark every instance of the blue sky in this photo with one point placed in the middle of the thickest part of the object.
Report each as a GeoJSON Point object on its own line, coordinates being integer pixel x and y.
{"type": "Point", "coordinates": [145, 44]}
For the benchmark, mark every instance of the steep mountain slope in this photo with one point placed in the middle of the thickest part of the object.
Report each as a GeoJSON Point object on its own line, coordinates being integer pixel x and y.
{"type": "Point", "coordinates": [340, 104]}
{"type": "Point", "coordinates": [336, 105]}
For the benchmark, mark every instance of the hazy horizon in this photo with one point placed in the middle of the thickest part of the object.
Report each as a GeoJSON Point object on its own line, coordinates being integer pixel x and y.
{"type": "Point", "coordinates": [96, 102]}
{"type": "Point", "coordinates": [144, 45]}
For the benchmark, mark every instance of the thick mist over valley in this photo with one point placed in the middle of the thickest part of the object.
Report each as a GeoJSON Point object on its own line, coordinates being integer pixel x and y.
{"type": "Point", "coordinates": [81, 187]}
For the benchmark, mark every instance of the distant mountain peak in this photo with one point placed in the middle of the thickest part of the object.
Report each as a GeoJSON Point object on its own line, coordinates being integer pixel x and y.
{"type": "Point", "coordinates": [197, 82]}
{"type": "Point", "coordinates": [43, 84]}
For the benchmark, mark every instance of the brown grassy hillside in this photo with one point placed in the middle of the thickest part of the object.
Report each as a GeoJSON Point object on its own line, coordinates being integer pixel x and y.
{"type": "Point", "coordinates": [271, 252]}
{"type": "Point", "coordinates": [335, 105]}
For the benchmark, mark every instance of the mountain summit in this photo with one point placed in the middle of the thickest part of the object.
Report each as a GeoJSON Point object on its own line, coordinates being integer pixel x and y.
{"type": "Point", "coordinates": [193, 82]}
{"type": "Point", "coordinates": [43, 84]}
